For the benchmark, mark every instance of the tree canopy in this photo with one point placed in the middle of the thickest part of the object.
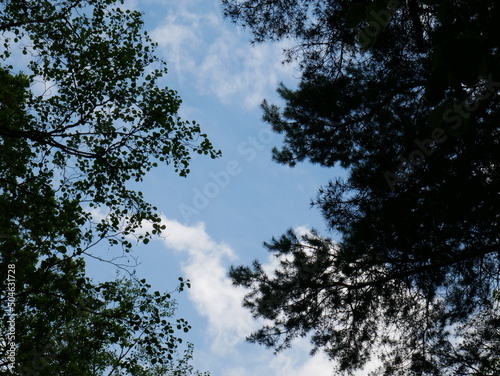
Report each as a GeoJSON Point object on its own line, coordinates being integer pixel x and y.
{"type": "Point", "coordinates": [404, 96]}
{"type": "Point", "coordinates": [83, 113]}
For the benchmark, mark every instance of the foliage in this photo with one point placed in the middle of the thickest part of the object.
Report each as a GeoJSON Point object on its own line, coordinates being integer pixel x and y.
{"type": "Point", "coordinates": [83, 114]}
{"type": "Point", "coordinates": [110, 328]}
{"type": "Point", "coordinates": [101, 119]}
{"type": "Point", "coordinates": [403, 95]}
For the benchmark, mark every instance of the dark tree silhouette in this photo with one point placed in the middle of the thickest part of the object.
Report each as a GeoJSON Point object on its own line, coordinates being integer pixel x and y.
{"type": "Point", "coordinates": [403, 95]}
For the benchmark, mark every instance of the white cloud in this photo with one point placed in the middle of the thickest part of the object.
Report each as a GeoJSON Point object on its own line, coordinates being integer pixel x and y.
{"type": "Point", "coordinates": [228, 322]}
{"type": "Point", "coordinates": [212, 292]}
{"type": "Point", "coordinates": [302, 230]}
{"type": "Point", "coordinates": [200, 45]}
{"type": "Point", "coordinates": [292, 362]}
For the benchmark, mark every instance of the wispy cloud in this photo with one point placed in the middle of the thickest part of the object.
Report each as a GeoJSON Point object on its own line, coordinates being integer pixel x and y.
{"type": "Point", "coordinates": [199, 44]}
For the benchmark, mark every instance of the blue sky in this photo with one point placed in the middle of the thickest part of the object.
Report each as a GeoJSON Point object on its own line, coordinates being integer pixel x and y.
{"type": "Point", "coordinates": [226, 208]}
